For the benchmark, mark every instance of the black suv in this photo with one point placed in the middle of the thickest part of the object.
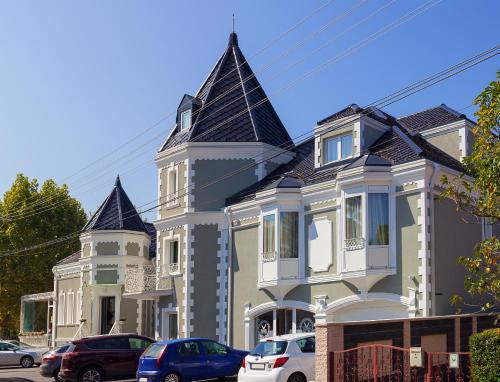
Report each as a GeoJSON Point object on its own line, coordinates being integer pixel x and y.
{"type": "Point", "coordinates": [103, 357]}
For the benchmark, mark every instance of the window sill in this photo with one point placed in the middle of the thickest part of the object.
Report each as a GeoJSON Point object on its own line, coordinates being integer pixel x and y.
{"type": "Point", "coordinates": [172, 206]}
{"type": "Point", "coordinates": [337, 160]}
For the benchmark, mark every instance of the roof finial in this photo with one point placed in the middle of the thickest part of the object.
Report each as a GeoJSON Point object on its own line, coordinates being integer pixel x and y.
{"type": "Point", "coordinates": [117, 181]}
{"type": "Point", "coordinates": [233, 22]}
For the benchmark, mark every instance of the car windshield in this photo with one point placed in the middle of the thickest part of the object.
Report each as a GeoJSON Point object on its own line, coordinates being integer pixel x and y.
{"type": "Point", "coordinates": [154, 351]}
{"type": "Point", "coordinates": [62, 349]}
{"type": "Point", "coordinates": [270, 347]}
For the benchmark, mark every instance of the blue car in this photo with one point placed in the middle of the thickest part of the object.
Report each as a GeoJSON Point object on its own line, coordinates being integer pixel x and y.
{"type": "Point", "coordinates": [188, 359]}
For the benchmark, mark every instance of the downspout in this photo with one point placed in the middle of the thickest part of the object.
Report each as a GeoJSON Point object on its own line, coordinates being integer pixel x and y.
{"type": "Point", "coordinates": [432, 182]}
{"type": "Point", "coordinates": [54, 311]}
{"type": "Point", "coordinates": [227, 215]}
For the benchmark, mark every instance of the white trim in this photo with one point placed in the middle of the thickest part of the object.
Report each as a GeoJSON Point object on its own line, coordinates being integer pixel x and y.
{"type": "Point", "coordinates": [357, 298]}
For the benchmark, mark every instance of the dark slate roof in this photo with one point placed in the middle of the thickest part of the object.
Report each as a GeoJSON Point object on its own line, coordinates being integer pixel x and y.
{"type": "Point", "coordinates": [353, 109]}
{"type": "Point", "coordinates": [116, 213]}
{"type": "Point", "coordinates": [152, 234]}
{"type": "Point", "coordinates": [396, 146]}
{"type": "Point", "coordinates": [73, 258]}
{"type": "Point", "coordinates": [431, 118]}
{"type": "Point", "coordinates": [242, 115]}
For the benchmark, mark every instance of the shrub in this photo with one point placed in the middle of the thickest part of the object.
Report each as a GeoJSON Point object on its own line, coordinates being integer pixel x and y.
{"type": "Point", "coordinates": [485, 355]}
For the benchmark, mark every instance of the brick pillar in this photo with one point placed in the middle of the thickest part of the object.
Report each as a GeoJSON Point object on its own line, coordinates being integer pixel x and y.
{"type": "Point", "coordinates": [329, 337]}
{"type": "Point", "coordinates": [406, 334]}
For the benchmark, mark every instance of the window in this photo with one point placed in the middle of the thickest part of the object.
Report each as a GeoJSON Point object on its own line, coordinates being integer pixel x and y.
{"type": "Point", "coordinates": [214, 348]}
{"type": "Point", "coordinates": [61, 309]}
{"type": "Point", "coordinates": [174, 252]}
{"type": "Point", "coordinates": [172, 187]}
{"type": "Point", "coordinates": [78, 315]}
{"type": "Point", "coordinates": [138, 343]}
{"type": "Point", "coordinates": [353, 218]}
{"type": "Point", "coordinates": [186, 119]}
{"type": "Point", "coordinates": [269, 231]}
{"type": "Point", "coordinates": [170, 260]}
{"type": "Point", "coordinates": [378, 217]}
{"type": "Point", "coordinates": [108, 343]}
{"type": "Point", "coordinates": [70, 308]}
{"type": "Point", "coordinates": [187, 349]}
{"type": "Point", "coordinates": [289, 234]}
{"type": "Point", "coordinates": [270, 348]}
{"type": "Point", "coordinates": [307, 345]}
{"type": "Point", "coordinates": [154, 350]}
{"type": "Point", "coordinates": [337, 148]}
{"type": "Point", "coordinates": [172, 326]}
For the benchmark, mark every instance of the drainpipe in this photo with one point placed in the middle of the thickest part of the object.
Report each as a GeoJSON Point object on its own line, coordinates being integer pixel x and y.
{"type": "Point", "coordinates": [227, 215]}
{"type": "Point", "coordinates": [432, 182]}
{"type": "Point", "coordinates": [54, 311]}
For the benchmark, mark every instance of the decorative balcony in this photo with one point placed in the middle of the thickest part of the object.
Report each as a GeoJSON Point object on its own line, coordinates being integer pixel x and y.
{"type": "Point", "coordinates": [172, 269]}
{"type": "Point", "coordinates": [277, 274]}
{"type": "Point", "coordinates": [140, 278]}
{"type": "Point", "coordinates": [364, 265]}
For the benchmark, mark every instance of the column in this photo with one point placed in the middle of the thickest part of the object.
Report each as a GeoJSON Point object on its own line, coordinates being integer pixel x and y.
{"type": "Point", "coordinates": [275, 323]}
{"type": "Point", "coordinates": [294, 320]}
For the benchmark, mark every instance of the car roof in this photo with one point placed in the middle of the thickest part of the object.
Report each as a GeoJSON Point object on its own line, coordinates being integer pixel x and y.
{"type": "Point", "coordinates": [288, 337]}
{"type": "Point", "coordinates": [101, 336]}
{"type": "Point", "coordinates": [180, 340]}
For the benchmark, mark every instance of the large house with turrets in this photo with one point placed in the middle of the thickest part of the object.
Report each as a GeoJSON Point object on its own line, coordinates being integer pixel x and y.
{"type": "Point", "coordinates": [258, 235]}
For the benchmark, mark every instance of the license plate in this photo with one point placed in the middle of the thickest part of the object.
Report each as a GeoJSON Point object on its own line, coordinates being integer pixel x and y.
{"type": "Point", "coordinates": [258, 366]}
{"type": "Point", "coordinates": [143, 380]}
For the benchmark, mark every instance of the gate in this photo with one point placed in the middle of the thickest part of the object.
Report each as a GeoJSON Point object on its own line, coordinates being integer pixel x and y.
{"type": "Point", "coordinates": [384, 363]}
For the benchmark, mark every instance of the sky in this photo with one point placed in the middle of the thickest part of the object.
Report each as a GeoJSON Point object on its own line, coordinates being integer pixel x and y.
{"type": "Point", "coordinates": [89, 89]}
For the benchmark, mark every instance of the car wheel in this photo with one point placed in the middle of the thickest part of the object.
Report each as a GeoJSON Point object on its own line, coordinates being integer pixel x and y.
{"type": "Point", "coordinates": [91, 374]}
{"type": "Point", "coordinates": [172, 377]}
{"type": "Point", "coordinates": [27, 361]}
{"type": "Point", "coordinates": [56, 376]}
{"type": "Point", "coordinates": [297, 377]}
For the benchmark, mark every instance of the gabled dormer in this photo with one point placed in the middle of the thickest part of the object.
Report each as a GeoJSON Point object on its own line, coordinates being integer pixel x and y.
{"type": "Point", "coordinates": [187, 111]}
{"type": "Point", "coordinates": [348, 133]}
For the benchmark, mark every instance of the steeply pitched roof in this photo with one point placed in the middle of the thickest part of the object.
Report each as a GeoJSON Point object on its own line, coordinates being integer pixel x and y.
{"type": "Point", "coordinates": [431, 118]}
{"type": "Point", "coordinates": [116, 213]}
{"type": "Point", "coordinates": [396, 146]}
{"type": "Point", "coordinates": [73, 258]}
{"type": "Point", "coordinates": [244, 114]}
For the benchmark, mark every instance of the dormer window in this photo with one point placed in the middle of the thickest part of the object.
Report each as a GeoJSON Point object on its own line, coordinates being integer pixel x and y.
{"type": "Point", "coordinates": [337, 148]}
{"type": "Point", "coordinates": [186, 119]}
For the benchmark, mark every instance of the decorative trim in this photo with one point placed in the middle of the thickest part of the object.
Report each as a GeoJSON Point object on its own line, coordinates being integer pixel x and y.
{"type": "Point", "coordinates": [354, 299]}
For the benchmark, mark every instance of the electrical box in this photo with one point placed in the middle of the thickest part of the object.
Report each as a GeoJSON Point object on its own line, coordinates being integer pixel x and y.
{"type": "Point", "coordinates": [416, 357]}
{"type": "Point", "coordinates": [454, 361]}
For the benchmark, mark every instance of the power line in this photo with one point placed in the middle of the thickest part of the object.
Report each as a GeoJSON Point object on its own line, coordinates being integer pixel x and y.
{"type": "Point", "coordinates": [398, 98]}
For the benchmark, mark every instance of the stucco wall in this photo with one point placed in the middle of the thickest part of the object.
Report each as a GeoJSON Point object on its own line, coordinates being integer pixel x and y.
{"type": "Point", "coordinates": [334, 291]}
{"type": "Point", "coordinates": [449, 143]}
{"type": "Point", "coordinates": [407, 247]}
{"type": "Point", "coordinates": [212, 198]}
{"type": "Point", "coordinates": [244, 280]}
{"type": "Point", "coordinates": [86, 250]}
{"type": "Point", "coordinates": [86, 298]}
{"type": "Point", "coordinates": [204, 281]}
{"type": "Point", "coordinates": [177, 206]}
{"type": "Point", "coordinates": [453, 238]}
{"type": "Point", "coordinates": [65, 285]}
{"type": "Point", "coordinates": [331, 216]}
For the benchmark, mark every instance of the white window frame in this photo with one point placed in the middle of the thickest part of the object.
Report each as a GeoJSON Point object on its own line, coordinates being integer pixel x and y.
{"type": "Point", "coordinates": [172, 189]}
{"type": "Point", "coordinates": [165, 326]}
{"type": "Point", "coordinates": [166, 256]}
{"type": "Point", "coordinates": [78, 310]}
{"type": "Point", "coordinates": [185, 112]}
{"type": "Point", "coordinates": [275, 213]}
{"type": "Point", "coordinates": [338, 138]}
{"type": "Point", "coordinates": [61, 308]}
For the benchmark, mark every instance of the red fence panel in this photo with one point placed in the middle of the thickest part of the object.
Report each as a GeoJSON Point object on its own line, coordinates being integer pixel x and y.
{"type": "Point", "coordinates": [383, 363]}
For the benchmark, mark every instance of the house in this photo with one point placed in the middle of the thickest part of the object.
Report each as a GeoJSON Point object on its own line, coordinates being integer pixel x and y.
{"type": "Point", "coordinates": [257, 235]}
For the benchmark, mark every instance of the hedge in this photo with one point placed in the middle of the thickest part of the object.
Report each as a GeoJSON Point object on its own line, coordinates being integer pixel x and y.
{"type": "Point", "coordinates": [485, 356]}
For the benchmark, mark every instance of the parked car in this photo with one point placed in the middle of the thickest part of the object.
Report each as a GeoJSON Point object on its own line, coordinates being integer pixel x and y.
{"type": "Point", "coordinates": [93, 359]}
{"type": "Point", "coordinates": [11, 354]}
{"type": "Point", "coordinates": [24, 345]}
{"type": "Point", "coordinates": [287, 358]}
{"type": "Point", "coordinates": [51, 363]}
{"type": "Point", "coordinates": [189, 359]}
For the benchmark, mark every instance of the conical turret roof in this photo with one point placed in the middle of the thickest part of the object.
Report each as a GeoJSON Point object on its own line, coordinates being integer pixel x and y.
{"type": "Point", "coordinates": [234, 107]}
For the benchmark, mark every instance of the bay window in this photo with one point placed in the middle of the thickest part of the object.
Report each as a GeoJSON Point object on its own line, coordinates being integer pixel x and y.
{"type": "Point", "coordinates": [337, 148]}
{"type": "Point", "coordinates": [378, 219]}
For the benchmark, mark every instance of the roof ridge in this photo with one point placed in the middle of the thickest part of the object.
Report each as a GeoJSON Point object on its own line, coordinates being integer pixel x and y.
{"type": "Point", "coordinates": [250, 110]}
{"type": "Point", "coordinates": [407, 140]}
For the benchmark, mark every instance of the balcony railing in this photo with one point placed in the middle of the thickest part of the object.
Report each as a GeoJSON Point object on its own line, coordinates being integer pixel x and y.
{"type": "Point", "coordinates": [140, 278]}
{"type": "Point", "coordinates": [170, 269]}
{"type": "Point", "coordinates": [354, 244]}
{"type": "Point", "coordinates": [268, 257]}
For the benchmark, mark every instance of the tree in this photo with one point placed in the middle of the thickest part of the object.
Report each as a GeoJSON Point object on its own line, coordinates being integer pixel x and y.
{"type": "Point", "coordinates": [479, 195]}
{"type": "Point", "coordinates": [31, 215]}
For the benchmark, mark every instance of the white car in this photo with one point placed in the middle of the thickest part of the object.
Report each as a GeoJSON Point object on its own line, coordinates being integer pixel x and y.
{"type": "Point", "coordinates": [11, 354]}
{"type": "Point", "coordinates": [287, 358]}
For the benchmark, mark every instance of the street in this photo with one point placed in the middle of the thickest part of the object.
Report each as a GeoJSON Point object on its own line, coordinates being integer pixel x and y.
{"type": "Point", "coordinates": [18, 374]}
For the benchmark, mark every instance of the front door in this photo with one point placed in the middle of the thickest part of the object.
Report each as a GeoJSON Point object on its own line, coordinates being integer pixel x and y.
{"type": "Point", "coordinates": [107, 314]}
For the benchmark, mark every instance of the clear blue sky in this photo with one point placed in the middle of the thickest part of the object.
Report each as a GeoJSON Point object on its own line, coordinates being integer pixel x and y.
{"type": "Point", "coordinates": [80, 78]}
